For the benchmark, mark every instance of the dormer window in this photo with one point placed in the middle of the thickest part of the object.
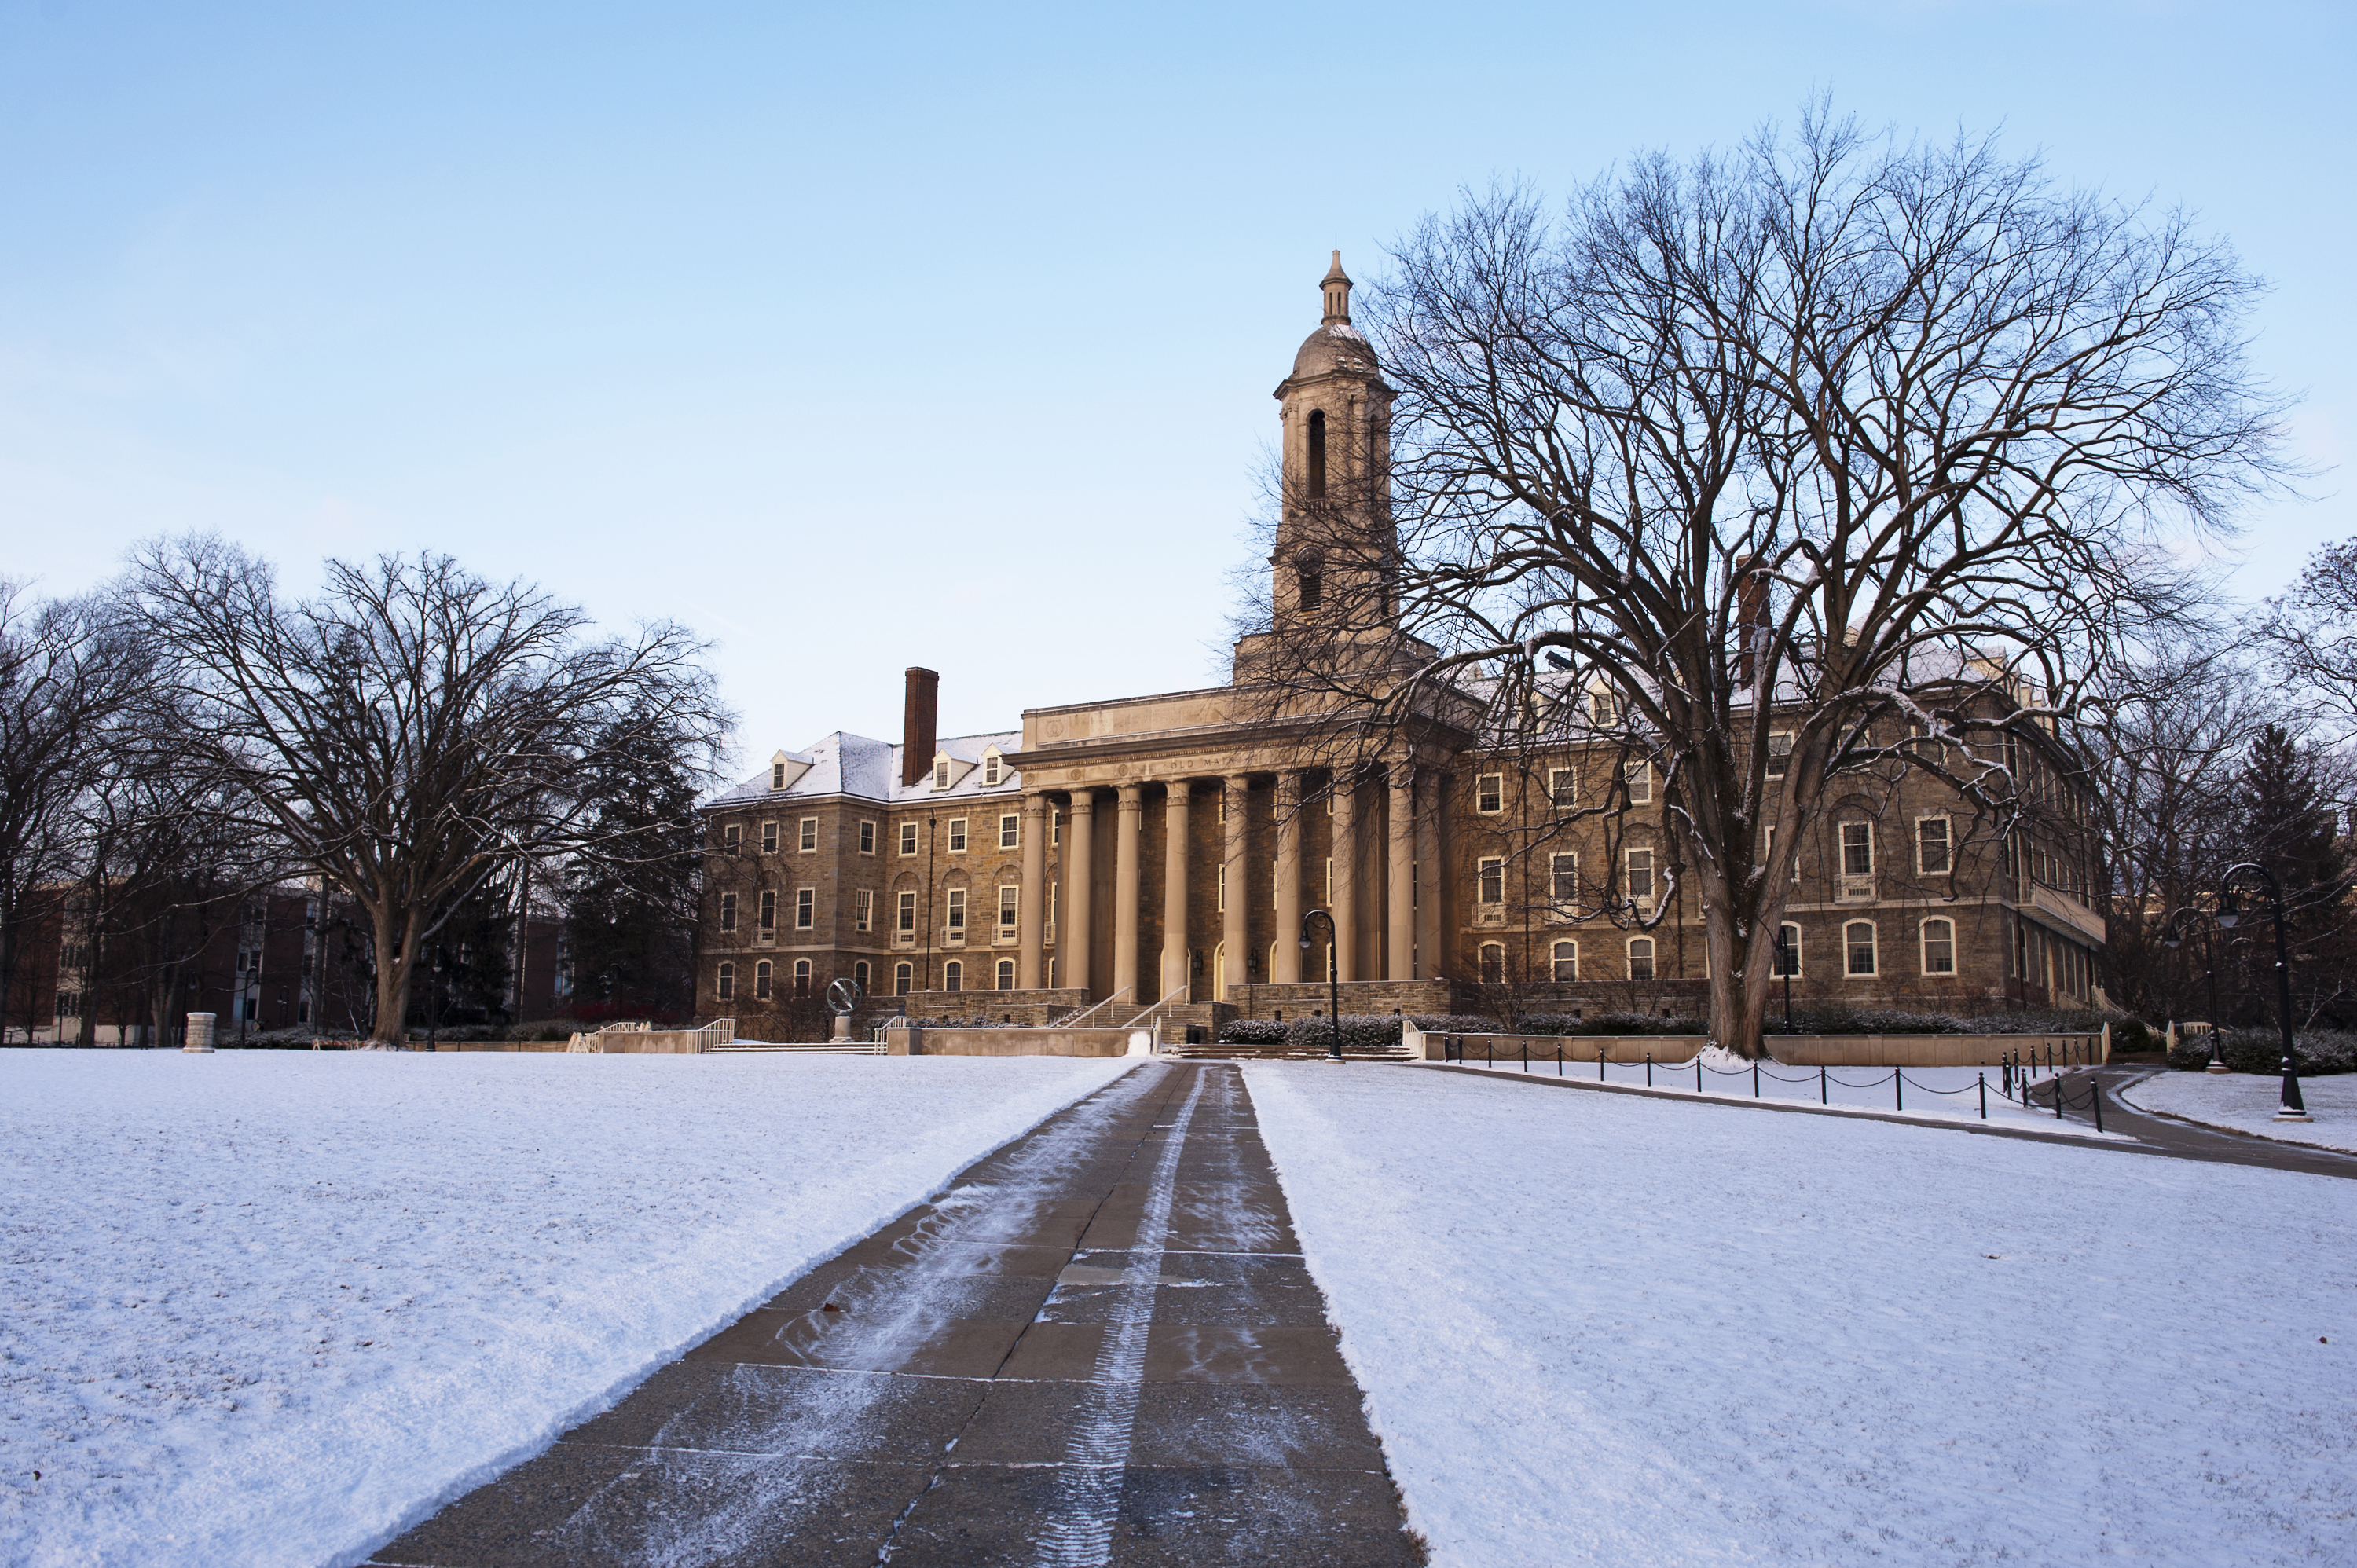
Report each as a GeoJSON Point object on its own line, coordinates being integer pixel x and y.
{"type": "Point", "coordinates": [942, 773]}
{"type": "Point", "coordinates": [777, 776]}
{"type": "Point", "coordinates": [990, 769]}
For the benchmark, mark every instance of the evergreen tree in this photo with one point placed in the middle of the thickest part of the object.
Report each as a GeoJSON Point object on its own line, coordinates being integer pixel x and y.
{"type": "Point", "coordinates": [630, 906]}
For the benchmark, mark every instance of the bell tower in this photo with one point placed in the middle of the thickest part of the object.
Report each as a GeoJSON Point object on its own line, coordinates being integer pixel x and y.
{"type": "Point", "coordinates": [1335, 542]}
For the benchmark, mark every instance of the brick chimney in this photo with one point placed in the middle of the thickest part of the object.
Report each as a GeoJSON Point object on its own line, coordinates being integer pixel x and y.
{"type": "Point", "coordinates": [919, 715]}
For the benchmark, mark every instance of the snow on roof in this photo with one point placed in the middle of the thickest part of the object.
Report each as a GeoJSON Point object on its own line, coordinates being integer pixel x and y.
{"type": "Point", "coordinates": [869, 769]}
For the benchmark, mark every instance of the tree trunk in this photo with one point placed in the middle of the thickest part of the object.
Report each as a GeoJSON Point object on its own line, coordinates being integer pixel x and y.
{"type": "Point", "coordinates": [396, 959]}
{"type": "Point", "coordinates": [1741, 975]}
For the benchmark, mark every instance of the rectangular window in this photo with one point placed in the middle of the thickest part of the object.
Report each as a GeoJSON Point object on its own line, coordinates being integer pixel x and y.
{"type": "Point", "coordinates": [1566, 959]}
{"type": "Point", "coordinates": [1329, 882]}
{"type": "Point", "coordinates": [1788, 955]}
{"type": "Point", "coordinates": [1054, 828]}
{"type": "Point", "coordinates": [903, 976]}
{"type": "Point", "coordinates": [768, 911]}
{"type": "Point", "coordinates": [1857, 942]}
{"type": "Point", "coordinates": [1931, 846]}
{"type": "Point", "coordinates": [1600, 708]}
{"type": "Point", "coordinates": [732, 839]}
{"type": "Point", "coordinates": [1563, 883]}
{"type": "Point", "coordinates": [1780, 752]}
{"type": "Point", "coordinates": [957, 835]}
{"type": "Point", "coordinates": [906, 920]}
{"type": "Point", "coordinates": [907, 838]}
{"type": "Point", "coordinates": [1493, 964]}
{"type": "Point", "coordinates": [810, 835]}
{"type": "Point", "coordinates": [1939, 947]}
{"type": "Point", "coordinates": [729, 911]}
{"type": "Point", "coordinates": [777, 776]}
{"type": "Point", "coordinates": [942, 773]}
{"type": "Point", "coordinates": [1640, 958]}
{"type": "Point", "coordinates": [727, 986]}
{"type": "Point", "coordinates": [1857, 849]}
{"type": "Point", "coordinates": [769, 838]}
{"type": "Point", "coordinates": [990, 766]}
{"type": "Point", "coordinates": [1010, 831]}
{"type": "Point", "coordinates": [1009, 895]}
{"type": "Point", "coordinates": [863, 911]}
{"type": "Point", "coordinates": [1640, 881]}
{"type": "Point", "coordinates": [1640, 774]}
{"type": "Point", "coordinates": [1493, 880]}
{"type": "Point", "coordinates": [1219, 883]}
{"type": "Point", "coordinates": [867, 838]}
{"type": "Point", "coordinates": [805, 908]}
{"type": "Point", "coordinates": [1489, 793]}
{"type": "Point", "coordinates": [956, 921]}
{"type": "Point", "coordinates": [1563, 787]}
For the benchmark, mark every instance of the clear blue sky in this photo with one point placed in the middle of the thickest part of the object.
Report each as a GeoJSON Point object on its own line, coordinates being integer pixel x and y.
{"type": "Point", "coordinates": [859, 336]}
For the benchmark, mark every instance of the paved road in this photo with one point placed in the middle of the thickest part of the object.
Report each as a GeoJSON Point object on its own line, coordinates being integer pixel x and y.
{"type": "Point", "coordinates": [1101, 1346]}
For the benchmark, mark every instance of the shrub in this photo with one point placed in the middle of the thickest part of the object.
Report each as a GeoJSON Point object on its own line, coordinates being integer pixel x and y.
{"type": "Point", "coordinates": [2322, 1052]}
{"type": "Point", "coordinates": [544, 1029]}
{"type": "Point", "coordinates": [1361, 1031]}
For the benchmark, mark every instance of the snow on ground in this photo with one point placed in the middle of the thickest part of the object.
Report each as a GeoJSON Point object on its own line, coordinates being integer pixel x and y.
{"type": "Point", "coordinates": [1928, 1093]}
{"type": "Point", "coordinates": [1600, 1328]}
{"type": "Point", "coordinates": [269, 1307]}
{"type": "Point", "coordinates": [2247, 1102]}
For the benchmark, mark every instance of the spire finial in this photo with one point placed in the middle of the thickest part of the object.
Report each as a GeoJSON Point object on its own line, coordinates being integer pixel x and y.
{"type": "Point", "coordinates": [1336, 286]}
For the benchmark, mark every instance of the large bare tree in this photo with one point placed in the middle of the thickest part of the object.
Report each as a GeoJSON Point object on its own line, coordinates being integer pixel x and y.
{"type": "Point", "coordinates": [412, 729]}
{"type": "Point", "coordinates": [1876, 446]}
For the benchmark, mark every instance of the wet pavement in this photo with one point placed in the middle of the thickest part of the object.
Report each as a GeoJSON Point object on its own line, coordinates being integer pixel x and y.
{"type": "Point", "coordinates": [1100, 1345]}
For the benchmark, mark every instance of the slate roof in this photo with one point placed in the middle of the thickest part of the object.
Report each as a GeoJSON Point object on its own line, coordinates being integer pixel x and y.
{"type": "Point", "coordinates": [869, 769]}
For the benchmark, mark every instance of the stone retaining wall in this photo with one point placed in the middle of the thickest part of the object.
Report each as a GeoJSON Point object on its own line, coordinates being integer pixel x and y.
{"type": "Point", "coordinates": [1793, 1050]}
{"type": "Point", "coordinates": [917, 1042]}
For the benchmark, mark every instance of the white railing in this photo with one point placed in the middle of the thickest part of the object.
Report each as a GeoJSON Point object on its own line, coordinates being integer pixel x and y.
{"type": "Point", "coordinates": [719, 1032]}
{"type": "Point", "coordinates": [1081, 1020]}
{"type": "Point", "coordinates": [1144, 1014]}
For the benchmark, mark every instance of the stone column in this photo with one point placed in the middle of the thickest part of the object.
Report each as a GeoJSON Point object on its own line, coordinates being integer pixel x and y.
{"type": "Point", "coordinates": [1124, 897]}
{"type": "Point", "coordinates": [1072, 921]}
{"type": "Point", "coordinates": [1430, 895]}
{"type": "Point", "coordinates": [200, 1035]}
{"type": "Point", "coordinates": [1399, 825]}
{"type": "Point", "coordinates": [1345, 909]}
{"type": "Point", "coordinates": [1286, 969]}
{"type": "Point", "coordinates": [1236, 931]}
{"type": "Point", "coordinates": [1174, 889]}
{"type": "Point", "coordinates": [1031, 966]}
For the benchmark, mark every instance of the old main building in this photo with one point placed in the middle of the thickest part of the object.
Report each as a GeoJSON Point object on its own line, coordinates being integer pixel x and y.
{"type": "Point", "coordinates": [1161, 851]}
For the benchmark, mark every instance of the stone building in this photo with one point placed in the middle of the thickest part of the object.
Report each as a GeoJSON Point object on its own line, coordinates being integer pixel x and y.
{"type": "Point", "coordinates": [1162, 852]}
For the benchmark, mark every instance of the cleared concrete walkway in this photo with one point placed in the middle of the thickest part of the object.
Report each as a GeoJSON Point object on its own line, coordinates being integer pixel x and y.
{"type": "Point", "coordinates": [1101, 1346]}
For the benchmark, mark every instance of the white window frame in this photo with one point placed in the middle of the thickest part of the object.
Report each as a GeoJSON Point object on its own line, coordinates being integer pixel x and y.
{"type": "Point", "coordinates": [1947, 844]}
{"type": "Point", "coordinates": [1562, 787]}
{"type": "Point", "coordinates": [1799, 962]}
{"type": "Point", "coordinates": [1865, 838]}
{"type": "Point", "coordinates": [1627, 872]}
{"type": "Point", "coordinates": [859, 973]}
{"type": "Point", "coordinates": [1010, 830]}
{"type": "Point", "coordinates": [1481, 962]}
{"type": "Point", "coordinates": [1653, 959]}
{"type": "Point", "coordinates": [1005, 973]}
{"type": "Point", "coordinates": [957, 835]}
{"type": "Point", "coordinates": [1873, 949]}
{"type": "Point", "coordinates": [1555, 959]}
{"type": "Point", "coordinates": [770, 838]}
{"type": "Point", "coordinates": [1560, 864]}
{"type": "Point", "coordinates": [729, 911]}
{"type": "Point", "coordinates": [908, 839]}
{"type": "Point", "coordinates": [805, 908]}
{"type": "Point", "coordinates": [777, 775]}
{"type": "Point", "coordinates": [806, 836]}
{"type": "Point", "coordinates": [1490, 787]}
{"type": "Point", "coordinates": [863, 911]}
{"type": "Point", "coordinates": [762, 981]}
{"type": "Point", "coordinates": [1924, 944]}
{"type": "Point", "coordinates": [1220, 889]}
{"type": "Point", "coordinates": [768, 920]}
{"type": "Point", "coordinates": [732, 839]}
{"type": "Point", "coordinates": [1638, 774]}
{"type": "Point", "coordinates": [953, 911]}
{"type": "Point", "coordinates": [867, 836]}
{"type": "Point", "coordinates": [1602, 709]}
{"type": "Point", "coordinates": [724, 985]}
{"type": "Point", "coordinates": [953, 975]}
{"type": "Point", "coordinates": [805, 978]}
{"type": "Point", "coordinates": [991, 770]}
{"type": "Point", "coordinates": [1489, 877]}
{"type": "Point", "coordinates": [904, 979]}
{"type": "Point", "coordinates": [1779, 758]}
{"type": "Point", "coordinates": [941, 773]}
{"type": "Point", "coordinates": [905, 912]}
{"type": "Point", "coordinates": [1010, 906]}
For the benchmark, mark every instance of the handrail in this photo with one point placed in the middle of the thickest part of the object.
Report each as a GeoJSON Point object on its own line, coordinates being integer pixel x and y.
{"type": "Point", "coordinates": [1149, 1011]}
{"type": "Point", "coordinates": [1083, 1020]}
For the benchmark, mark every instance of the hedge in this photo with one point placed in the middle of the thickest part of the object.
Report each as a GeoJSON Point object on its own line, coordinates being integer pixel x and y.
{"type": "Point", "coordinates": [2322, 1052]}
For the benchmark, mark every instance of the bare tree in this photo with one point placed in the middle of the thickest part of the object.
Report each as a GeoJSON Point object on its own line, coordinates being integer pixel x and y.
{"type": "Point", "coordinates": [66, 670]}
{"type": "Point", "coordinates": [1873, 445]}
{"type": "Point", "coordinates": [2310, 631]}
{"type": "Point", "coordinates": [412, 729]}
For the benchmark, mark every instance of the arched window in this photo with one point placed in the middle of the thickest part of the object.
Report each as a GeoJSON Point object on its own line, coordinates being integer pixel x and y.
{"type": "Point", "coordinates": [801, 977]}
{"type": "Point", "coordinates": [1640, 958]}
{"type": "Point", "coordinates": [902, 978]}
{"type": "Point", "coordinates": [1566, 961]}
{"type": "Point", "coordinates": [1318, 455]}
{"type": "Point", "coordinates": [1309, 581]}
{"type": "Point", "coordinates": [859, 976]}
{"type": "Point", "coordinates": [953, 976]}
{"type": "Point", "coordinates": [727, 989]}
{"type": "Point", "coordinates": [1493, 964]}
{"type": "Point", "coordinates": [1939, 947]}
{"type": "Point", "coordinates": [1788, 956]}
{"type": "Point", "coordinates": [1858, 948]}
{"type": "Point", "coordinates": [1007, 974]}
{"type": "Point", "coordinates": [761, 981]}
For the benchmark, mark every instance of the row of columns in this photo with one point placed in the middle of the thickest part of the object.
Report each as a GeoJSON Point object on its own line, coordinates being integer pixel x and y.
{"type": "Point", "coordinates": [1076, 917]}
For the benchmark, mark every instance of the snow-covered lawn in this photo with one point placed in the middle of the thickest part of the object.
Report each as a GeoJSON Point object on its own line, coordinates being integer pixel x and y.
{"type": "Point", "coordinates": [1927, 1093]}
{"type": "Point", "coordinates": [2246, 1101]}
{"type": "Point", "coordinates": [1599, 1328]}
{"type": "Point", "coordinates": [267, 1307]}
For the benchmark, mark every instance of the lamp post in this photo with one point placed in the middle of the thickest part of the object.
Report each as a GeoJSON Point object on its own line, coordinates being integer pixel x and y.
{"type": "Point", "coordinates": [2172, 937]}
{"type": "Point", "coordinates": [2291, 1108]}
{"type": "Point", "coordinates": [1333, 979]}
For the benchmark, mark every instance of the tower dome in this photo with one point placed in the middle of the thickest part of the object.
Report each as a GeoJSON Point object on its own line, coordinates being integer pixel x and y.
{"type": "Point", "coordinates": [1335, 345]}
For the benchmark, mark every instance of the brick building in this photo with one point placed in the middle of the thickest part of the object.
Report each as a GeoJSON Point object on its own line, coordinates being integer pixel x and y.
{"type": "Point", "coordinates": [1162, 851]}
